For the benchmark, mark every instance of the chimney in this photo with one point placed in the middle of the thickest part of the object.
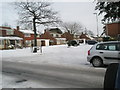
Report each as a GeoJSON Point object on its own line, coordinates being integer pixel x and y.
{"type": "Point", "coordinates": [45, 30]}
{"type": "Point", "coordinates": [18, 28]}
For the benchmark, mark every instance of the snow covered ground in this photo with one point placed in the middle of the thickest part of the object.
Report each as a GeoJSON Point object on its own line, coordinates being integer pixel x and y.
{"type": "Point", "coordinates": [53, 55]}
{"type": "Point", "coordinates": [58, 54]}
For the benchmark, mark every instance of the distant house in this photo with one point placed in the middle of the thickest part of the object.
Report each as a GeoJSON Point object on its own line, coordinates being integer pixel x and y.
{"type": "Point", "coordinates": [27, 35]}
{"type": "Point", "coordinates": [85, 37]}
{"type": "Point", "coordinates": [54, 36]}
{"type": "Point", "coordinates": [47, 36]}
{"type": "Point", "coordinates": [8, 38]}
{"type": "Point", "coordinates": [68, 36]}
{"type": "Point", "coordinates": [6, 31]}
{"type": "Point", "coordinates": [113, 29]}
{"type": "Point", "coordinates": [77, 37]}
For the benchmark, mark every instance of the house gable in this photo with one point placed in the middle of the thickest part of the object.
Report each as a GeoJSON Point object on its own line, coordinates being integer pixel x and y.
{"type": "Point", "coordinates": [55, 30]}
{"type": "Point", "coordinates": [68, 36]}
{"type": "Point", "coordinates": [47, 35]}
{"type": "Point", "coordinates": [6, 31]}
{"type": "Point", "coordinates": [84, 36]}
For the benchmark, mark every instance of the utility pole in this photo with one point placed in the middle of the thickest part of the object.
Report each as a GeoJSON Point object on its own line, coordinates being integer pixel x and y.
{"type": "Point", "coordinates": [97, 24]}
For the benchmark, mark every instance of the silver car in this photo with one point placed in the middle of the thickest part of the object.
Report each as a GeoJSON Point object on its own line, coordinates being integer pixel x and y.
{"type": "Point", "coordinates": [104, 53]}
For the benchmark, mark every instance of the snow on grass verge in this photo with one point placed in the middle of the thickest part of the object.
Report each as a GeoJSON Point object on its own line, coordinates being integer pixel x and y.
{"type": "Point", "coordinates": [58, 54]}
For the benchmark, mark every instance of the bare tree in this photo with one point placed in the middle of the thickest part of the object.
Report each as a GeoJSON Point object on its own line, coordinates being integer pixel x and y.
{"type": "Point", "coordinates": [89, 32]}
{"type": "Point", "coordinates": [34, 13]}
{"type": "Point", "coordinates": [72, 27]}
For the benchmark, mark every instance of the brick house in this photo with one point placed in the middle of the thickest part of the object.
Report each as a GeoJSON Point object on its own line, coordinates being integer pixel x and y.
{"type": "Point", "coordinates": [68, 36]}
{"type": "Point", "coordinates": [48, 36]}
{"type": "Point", "coordinates": [27, 35]}
{"type": "Point", "coordinates": [84, 37]}
{"type": "Point", "coordinates": [80, 38]}
{"type": "Point", "coordinates": [113, 30]}
{"type": "Point", "coordinates": [6, 31]}
{"type": "Point", "coordinates": [54, 36]}
{"type": "Point", "coordinates": [8, 38]}
{"type": "Point", "coordinates": [77, 37]}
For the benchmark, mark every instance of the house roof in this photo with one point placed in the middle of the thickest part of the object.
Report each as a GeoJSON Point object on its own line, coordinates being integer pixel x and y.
{"type": "Point", "coordinates": [47, 35]}
{"type": "Point", "coordinates": [116, 22]}
{"type": "Point", "coordinates": [90, 37]}
{"type": "Point", "coordinates": [60, 38]}
{"type": "Point", "coordinates": [11, 38]}
{"type": "Point", "coordinates": [85, 36]}
{"type": "Point", "coordinates": [68, 36]}
{"type": "Point", "coordinates": [54, 30]}
{"type": "Point", "coordinates": [27, 31]}
{"type": "Point", "coordinates": [5, 28]}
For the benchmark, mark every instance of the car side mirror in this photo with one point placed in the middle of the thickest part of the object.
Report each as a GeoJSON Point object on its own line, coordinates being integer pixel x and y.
{"type": "Point", "coordinates": [112, 77]}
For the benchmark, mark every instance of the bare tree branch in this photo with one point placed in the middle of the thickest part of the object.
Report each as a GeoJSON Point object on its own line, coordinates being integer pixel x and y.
{"type": "Point", "coordinates": [72, 27]}
{"type": "Point", "coordinates": [41, 11]}
{"type": "Point", "coordinates": [36, 13]}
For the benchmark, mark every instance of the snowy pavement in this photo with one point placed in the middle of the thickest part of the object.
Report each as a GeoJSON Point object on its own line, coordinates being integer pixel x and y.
{"type": "Point", "coordinates": [15, 81]}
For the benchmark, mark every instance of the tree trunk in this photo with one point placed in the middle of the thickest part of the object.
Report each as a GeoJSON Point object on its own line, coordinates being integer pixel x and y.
{"type": "Point", "coordinates": [35, 36]}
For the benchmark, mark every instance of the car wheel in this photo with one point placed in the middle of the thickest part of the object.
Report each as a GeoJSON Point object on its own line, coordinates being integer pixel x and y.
{"type": "Point", "coordinates": [97, 62]}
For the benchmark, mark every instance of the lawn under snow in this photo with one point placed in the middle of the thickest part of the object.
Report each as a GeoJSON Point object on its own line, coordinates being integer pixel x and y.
{"type": "Point", "coordinates": [58, 54]}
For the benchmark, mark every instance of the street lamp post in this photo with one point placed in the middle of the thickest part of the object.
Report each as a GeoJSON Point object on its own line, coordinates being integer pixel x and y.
{"type": "Point", "coordinates": [97, 24]}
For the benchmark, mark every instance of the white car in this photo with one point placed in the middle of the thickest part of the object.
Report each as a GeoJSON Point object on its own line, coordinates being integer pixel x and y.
{"type": "Point", "coordinates": [104, 53]}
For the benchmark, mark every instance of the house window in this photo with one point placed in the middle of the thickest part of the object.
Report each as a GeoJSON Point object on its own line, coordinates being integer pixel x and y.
{"type": "Point", "coordinates": [57, 35]}
{"type": "Point", "coordinates": [1, 42]}
{"type": "Point", "coordinates": [0, 33]}
{"type": "Point", "coordinates": [38, 35]}
{"type": "Point", "coordinates": [118, 37]}
{"type": "Point", "coordinates": [9, 32]}
{"type": "Point", "coordinates": [54, 35]}
{"type": "Point", "coordinates": [17, 41]}
{"type": "Point", "coordinates": [27, 35]}
{"type": "Point", "coordinates": [28, 42]}
{"type": "Point", "coordinates": [51, 34]}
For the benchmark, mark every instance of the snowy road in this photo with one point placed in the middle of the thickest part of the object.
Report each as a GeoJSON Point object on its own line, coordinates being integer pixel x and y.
{"type": "Point", "coordinates": [57, 76]}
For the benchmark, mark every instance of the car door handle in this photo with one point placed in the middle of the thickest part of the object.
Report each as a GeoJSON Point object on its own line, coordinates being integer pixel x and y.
{"type": "Point", "coordinates": [100, 52]}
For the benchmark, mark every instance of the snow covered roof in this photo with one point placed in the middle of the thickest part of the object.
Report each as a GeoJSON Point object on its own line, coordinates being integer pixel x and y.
{"type": "Point", "coordinates": [11, 38]}
{"type": "Point", "coordinates": [27, 31]}
{"type": "Point", "coordinates": [60, 38]}
{"type": "Point", "coordinates": [52, 28]}
{"type": "Point", "coordinates": [89, 37]}
{"type": "Point", "coordinates": [6, 28]}
{"type": "Point", "coordinates": [55, 29]}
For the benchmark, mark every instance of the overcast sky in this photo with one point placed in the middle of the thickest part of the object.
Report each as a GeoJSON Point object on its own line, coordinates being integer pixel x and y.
{"type": "Point", "coordinates": [75, 11]}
